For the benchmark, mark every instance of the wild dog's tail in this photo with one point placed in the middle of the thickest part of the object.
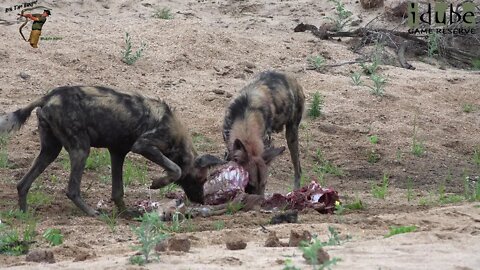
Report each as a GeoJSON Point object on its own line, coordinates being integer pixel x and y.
{"type": "Point", "coordinates": [11, 122]}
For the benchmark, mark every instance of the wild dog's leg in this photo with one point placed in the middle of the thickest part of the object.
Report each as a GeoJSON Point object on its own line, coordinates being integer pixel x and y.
{"type": "Point", "coordinates": [50, 148]}
{"type": "Point", "coordinates": [292, 140]}
{"type": "Point", "coordinates": [78, 157]}
{"type": "Point", "coordinates": [147, 149]}
{"type": "Point", "coordinates": [117, 160]}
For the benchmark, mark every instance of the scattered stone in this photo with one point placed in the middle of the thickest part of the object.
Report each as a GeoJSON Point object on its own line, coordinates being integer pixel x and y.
{"type": "Point", "coordinates": [249, 65]}
{"type": "Point", "coordinates": [179, 244]}
{"type": "Point", "coordinates": [210, 98]}
{"type": "Point", "coordinates": [240, 76]}
{"type": "Point", "coordinates": [82, 256]}
{"type": "Point", "coordinates": [218, 91]}
{"type": "Point", "coordinates": [322, 257]}
{"type": "Point", "coordinates": [247, 70]}
{"type": "Point", "coordinates": [40, 255]}
{"type": "Point", "coordinates": [396, 8]}
{"type": "Point", "coordinates": [285, 217]}
{"type": "Point", "coordinates": [228, 95]}
{"type": "Point", "coordinates": [236, 244]}
{"type": "Point", "coordinates": [356, 22]}
{"type": "Point", "coordinates": [146, 4]}
{"type": "Point", "coordinates": [24, 75]}
{"type": "Point", "coordinates": [296, 238]}
{"type": "Point", "coordinates": [273, 241]}
{"type": "Point", "coordinates": [162, 246]}
{"type": "Point", "coordinates": [369, 4]}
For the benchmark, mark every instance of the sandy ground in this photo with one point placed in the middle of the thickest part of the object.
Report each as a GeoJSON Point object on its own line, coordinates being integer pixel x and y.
{"type": "Point", "coordinates": [201, 58]}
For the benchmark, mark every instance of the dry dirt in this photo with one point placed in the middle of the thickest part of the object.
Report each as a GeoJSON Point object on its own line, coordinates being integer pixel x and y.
{"type": "Point", "coordinates": [197, 61]}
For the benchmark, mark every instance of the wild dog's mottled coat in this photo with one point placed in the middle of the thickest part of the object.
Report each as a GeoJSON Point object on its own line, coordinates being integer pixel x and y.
{"type": "Point", "coordinates": [80, 117]}
{"type": "Point", "coordinates": [273, 100]}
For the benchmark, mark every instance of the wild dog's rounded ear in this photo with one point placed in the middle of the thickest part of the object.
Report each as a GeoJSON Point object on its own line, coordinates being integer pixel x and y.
{"type": "Point", "coordinates": [239, 152]}
{"type": "Point", "coordinates": [269, 154]}
{"type": "Point", "coordinates": [207, 160]}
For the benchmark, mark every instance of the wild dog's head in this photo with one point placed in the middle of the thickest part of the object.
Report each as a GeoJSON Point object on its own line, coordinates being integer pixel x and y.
{"type": "Point", "coordinates": [257, 166]}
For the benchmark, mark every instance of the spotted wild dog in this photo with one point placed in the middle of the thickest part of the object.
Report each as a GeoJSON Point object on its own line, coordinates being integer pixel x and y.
{"type": "Point", "coordinates": [270, 102]}
{"type": "Point", "coordinates": [80, 117]}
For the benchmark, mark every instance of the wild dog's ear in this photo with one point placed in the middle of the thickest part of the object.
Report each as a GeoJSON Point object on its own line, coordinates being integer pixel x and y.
{"type": "Point", "coordinates": [239, 153]}
{"type": "Point", "coordinates": [207, 160]}
{"type": "Point", "coordinates": [271, 153]}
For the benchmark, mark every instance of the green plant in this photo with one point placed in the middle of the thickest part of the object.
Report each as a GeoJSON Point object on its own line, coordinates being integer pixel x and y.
{"type": "Point", "coordinates": [476, 156]}
{"type": "Point", "coordinates": [380, 191]}
{"type": "Point", "coordinates": [316, 105]}
{"type": "Point", "coordinates": [310, 252]}
{"type": "Point", "coordinates": [342, 15]}
{"type": "Point", "coordinates": [369, 69]}
{"type": "Point", "coordinates": [234, 207]}
{"type": "Point", "coordinates": [450, 198]}
{"type": "Point", "coordinates": [98, 158]}
{"type": "Point", "coordinates": [149, 234]}
{"type": "Point", "coordinates": [432, 41]}
{"type": "Point", "coordinates": [401, 229]}
{"type": "Point", "coordinates": [128, 56]}
{"type": "Point", "coordinates": [472, 188]}
{"type": "Point", "coordinates": [219, 225]}
{"type": "Point", "coordinates": [476, 64]}
{"type": "Point", "coordinates": [378, 88]}
{"type": "Point", "coordinates": [418, 149]}
{"type": "Point", "coordinates": [373, 139]}
{"type": "Point", "coordinates": [172, 187]}
{"type": "Point", "coordinates": [111, 220]}
{"type": "Point", "coordinates": [409, 189]}
{"type": "Point", "coordinates": [201, 142]}
{"type": "Point", "coordinates": [132, 171]}
{"type": "Point", "coordinates": [357, 204]}
{"type": "Point", "coordinates": [372, 156]}
{"type": "Point", "coordinates": [316, 62]}
{"type": "Point", "coordinates": [163, 13]}
{"type": "Point", "coordinates": [323, 166]}
{"type": "Point", "coordinates": [10, 242]}
{"type": "Point", "coordinates": [468, 107]}
{"type": "Point", "coordinates": [3, 151]}
{"type": "Point", "coordinates": [356, 78]}
{"type": "Point", "coordinates": [288, 265]}
{"type": "Point", "coordinates": [37, 198]}
{"type": "Point", "coordinates": [53, 236]}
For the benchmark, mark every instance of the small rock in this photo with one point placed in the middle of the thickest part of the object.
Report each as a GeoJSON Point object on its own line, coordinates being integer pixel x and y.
{"type": "Point", "coordinates": [248, 70]}
{"type": "Point", "coordinates": [236, 244]}
{"type": "Point", "coordinates": [218, 91]}
{"type": "Point", "coordinates": [179, 244]}
{"type": "Point", "coordinates": [40, 256]}
{"type": "Point", "coordinates": [368, 4]}
{"type": "Point", "coordinates": [228, 95]}
{"type": "Point", "coordinates": [322, 257]}
{"type": "Point", "coordinates": [24, 75]}
{"type": "Point", "coordinates": [82, 256]}
{"type": "Point", "coordinates": [240, 76]}
{"type": "Point", "coordinates": [273, 241]}
{"type": "Point", "coordinates": [296, 238]}
{"type": "Point", "coordinates": [161, 246]}
{"type": "Point", "coordinates": [286, 217]}
{"type": "Point", "coordinates": [249, 65]}
{"type": "Point", "coordinates": [211, 98]}
{"type": "Point", "coordinates": [396, 8]}
{"type": "Point", "coordinates": [146, 4]}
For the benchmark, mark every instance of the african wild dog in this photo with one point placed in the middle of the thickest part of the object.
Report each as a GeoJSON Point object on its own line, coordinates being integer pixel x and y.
{"type": "Point", "coordinates": [80, 117]}
{"type": "Point", "coordinates": [273, 100]}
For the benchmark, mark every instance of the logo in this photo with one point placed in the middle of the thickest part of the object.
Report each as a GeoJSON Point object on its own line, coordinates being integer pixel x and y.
{"type": "Point", "coordinates": [440, 16]}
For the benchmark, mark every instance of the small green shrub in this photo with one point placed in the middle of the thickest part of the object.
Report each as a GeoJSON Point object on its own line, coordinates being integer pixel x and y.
{"type": "Point", "coordinates": [380, 191]}
{"type": "Point", "coordinates": [53, 236]}
{"type": "Point", "coordinates": [98, 158]}
{"type": "Point", "coordinates": [128, 56]}
{"type": "Point", "coordinates": [3, 151]}
{"type": "Point", "coordinates": [373, 156]}
{"type": "Point", "coordinates": [401, 229]}
{"type": "Point", "coordinates": [468, 108]}
{"type": "Point", "coordinates": [357, 204]}
{"type": "Point", "coordinates": [219, 225]}
{"type": "Point", "coordinates": [409, 189]}
{"type": "Point", "coordinates": [476, 156]}
{"type": "Point", "coordinates": [316, 62]}
{"type": "Point", "coordinates": [316, 106]}
{"type": "Point", "coordinates": [111, 220]}
{"type": "Point", "coordinates": [356, 78]}
{"type": "Point", "coordinates": [234, 207]}
{"type": "Point", "coordinates": [378, 88]}
{"type": "Point", "coordinates": [476, 64]}
{"type": "Point", "coordinates": [37, 198]}
{"type": "Point", "coordinates": [342, 15]}
{"type": "Point", "coordinates": [149, 234]}
{"type": "Point", "coordinates": [133, 171]}
{"type": "Point", "coordinates": [163, 13]}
